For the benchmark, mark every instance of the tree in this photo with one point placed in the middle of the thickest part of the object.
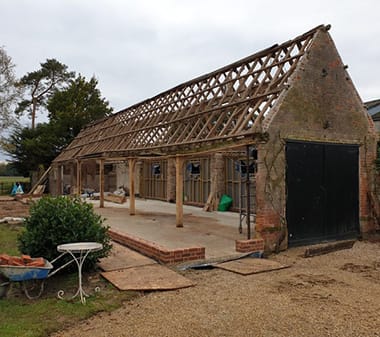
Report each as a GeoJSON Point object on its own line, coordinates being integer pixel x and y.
{"type": "Point", "coordinates": [31, 149]}
{"type": "Point", "coordinates": [7, 170]}
{"type": "Point", "coordinates": [9, 93]}
{"type": "Point", "coordinates": [69, 110]}
{"type": "Point", "coordinates": [41, 84]}
{"type": "Point", "coordinates": [77, 105]}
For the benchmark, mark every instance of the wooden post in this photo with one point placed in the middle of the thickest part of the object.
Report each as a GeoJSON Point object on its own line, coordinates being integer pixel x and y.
{"type": "Point", "coordinates": [132, 206]}
{"type": "Point", "coordinates": [79, 177]}
{"type": "Point", "coordinates": [73, 181]}
{"type": "Point", "coordinates": [179, 191]}
{"type": "Point", "coordinates": [59, 180]}
{"type": "Point", "coordinates": [101, 183]}
{"type": "Point", "coordinates": [248, 194]}
{"type": "Point", "coordinates": [61, 173]}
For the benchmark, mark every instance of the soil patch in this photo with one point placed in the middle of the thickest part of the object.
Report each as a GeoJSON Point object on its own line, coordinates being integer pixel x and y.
{"type": "Point", "coordinates": [322, 296]}
{"type": "Point", "coordinates": [13, 208]}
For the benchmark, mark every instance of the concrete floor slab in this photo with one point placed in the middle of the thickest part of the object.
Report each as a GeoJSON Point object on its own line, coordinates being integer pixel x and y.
{"type": "Point", "coordinates": [155, 221]}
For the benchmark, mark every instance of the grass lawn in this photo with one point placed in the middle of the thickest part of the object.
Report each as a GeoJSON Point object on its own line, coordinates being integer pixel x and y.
{"type": "Point", "coordinates": [22, 317]}
{"type": "Point", "coordinates": [6, 183]}
{"type": "Point", "coordinates": [6, 179]}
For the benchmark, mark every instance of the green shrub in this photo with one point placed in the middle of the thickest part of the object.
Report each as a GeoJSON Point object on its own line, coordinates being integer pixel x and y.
{"type": "Point", "coordinates": [55, 221]}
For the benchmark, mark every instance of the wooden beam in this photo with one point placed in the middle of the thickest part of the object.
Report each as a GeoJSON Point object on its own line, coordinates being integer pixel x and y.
{"type": "Point", "coordinates": [72, 175]}
{"type": "Point", "coordinates": [42, 179]}
{"type": "Point", "coordinates": [119, 199]}
{"type": "Point", "coordinates": [79, 177]}
{"type": "Point", "coordinates": [179, 190]}
{"type": "Point", "coordinates": [208, 206]}
{"type": "Point", "coordinates": [59, 180]}
{"type": "Point", "coordinates": [248, 194]}
{"type": "Point", "coordinates": [209, 112]}
{"type": "Point", "coordinates": [328, 248]}
{"type": "Point", "coordinates": [132, 203]}
{"type": "Point", "coordinates": [101, 183]}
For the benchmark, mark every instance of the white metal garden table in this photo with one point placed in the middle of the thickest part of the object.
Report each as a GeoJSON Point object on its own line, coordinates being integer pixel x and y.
{"type": "Point", "coordinates": [79, 251]}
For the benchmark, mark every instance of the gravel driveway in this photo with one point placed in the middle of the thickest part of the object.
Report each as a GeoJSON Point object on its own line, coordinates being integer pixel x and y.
{"type": "Point", "coordinates": [331, 295]}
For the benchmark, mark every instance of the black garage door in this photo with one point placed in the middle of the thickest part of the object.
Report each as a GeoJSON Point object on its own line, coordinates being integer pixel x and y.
{"type": "Point", "coordinates": [322, 192]}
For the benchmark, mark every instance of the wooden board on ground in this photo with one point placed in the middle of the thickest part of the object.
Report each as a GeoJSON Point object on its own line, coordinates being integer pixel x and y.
{"type": "Point", "coordinates": [146, 278]}
{"type": "Point", "coordinates": [122, 257]}
{"type": "Point", "coordinates": [119, 199]}
{"type": "Point", "coordinates": [248, 266]}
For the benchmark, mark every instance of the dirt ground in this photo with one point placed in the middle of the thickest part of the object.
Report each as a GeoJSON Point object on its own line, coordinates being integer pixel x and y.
{"type": "Point", "coordinates": [12, 208]}
{"type": "Point", "coordinates": [337, 294]}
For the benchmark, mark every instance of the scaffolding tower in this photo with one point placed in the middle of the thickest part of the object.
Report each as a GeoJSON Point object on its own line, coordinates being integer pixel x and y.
{"type": "Point", "coordinates": [247, 168]}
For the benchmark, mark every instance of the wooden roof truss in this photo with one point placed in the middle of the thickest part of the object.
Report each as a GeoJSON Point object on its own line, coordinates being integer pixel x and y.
{"type": "Point", "coordinates": [227, 105]}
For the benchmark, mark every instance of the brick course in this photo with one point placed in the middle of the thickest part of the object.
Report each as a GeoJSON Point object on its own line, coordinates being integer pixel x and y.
{"type": "Point", "coordinates": [156, 251]}
{"type": "Point", "coordinates": [248, 246]}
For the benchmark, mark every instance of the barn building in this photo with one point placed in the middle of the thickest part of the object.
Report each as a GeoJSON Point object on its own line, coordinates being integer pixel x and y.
{"type": "Point", "coordinates": [283, 133]}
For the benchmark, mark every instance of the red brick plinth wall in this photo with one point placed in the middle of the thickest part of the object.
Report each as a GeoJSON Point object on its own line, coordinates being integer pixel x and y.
{"type": "Point", "coordinates": [158, 252]}
{"type": "Point", "coordinates": [247, 246]}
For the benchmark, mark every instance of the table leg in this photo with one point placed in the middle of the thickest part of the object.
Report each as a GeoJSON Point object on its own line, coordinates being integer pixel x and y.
{"type": "Point", "coordinates": [79, 261]}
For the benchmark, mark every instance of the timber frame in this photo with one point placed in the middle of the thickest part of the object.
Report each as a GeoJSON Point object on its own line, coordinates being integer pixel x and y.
{"type": "Point", "coordinates": [225, 108]}
{"type": "Point", "coordinates": [298, 90]}
{"type": "Point", "coordinates": [222, 110]}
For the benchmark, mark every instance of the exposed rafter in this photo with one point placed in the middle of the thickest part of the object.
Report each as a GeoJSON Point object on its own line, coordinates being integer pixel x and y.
{"type": "Point", "coordinates": [211, 111]}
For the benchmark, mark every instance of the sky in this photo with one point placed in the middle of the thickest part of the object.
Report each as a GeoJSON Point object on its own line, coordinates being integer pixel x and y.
{"type": "Point", "coordinates": [139, 48]}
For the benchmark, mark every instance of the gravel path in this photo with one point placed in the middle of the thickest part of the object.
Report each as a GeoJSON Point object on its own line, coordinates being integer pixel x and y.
{"type": "Point", "coordinates": [331, 295]}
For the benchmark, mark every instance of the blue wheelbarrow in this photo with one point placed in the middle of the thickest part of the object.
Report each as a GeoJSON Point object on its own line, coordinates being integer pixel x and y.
{"type": "Point", "coordinates": [32, 279]}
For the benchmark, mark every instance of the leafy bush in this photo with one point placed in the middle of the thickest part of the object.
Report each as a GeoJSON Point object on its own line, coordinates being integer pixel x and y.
{"type": "Point", "coordinates": [378, 157]}
{"type": "Point", "coordinates": [55, 221]}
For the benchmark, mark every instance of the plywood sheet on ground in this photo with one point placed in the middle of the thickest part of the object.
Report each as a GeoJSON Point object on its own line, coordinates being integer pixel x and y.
{"type": "Point", "coordinates": [122, 257]}
{"type": "Point", "coordinates": [248, 266]}
{"type": "Point", "coordinates": [149, 277]}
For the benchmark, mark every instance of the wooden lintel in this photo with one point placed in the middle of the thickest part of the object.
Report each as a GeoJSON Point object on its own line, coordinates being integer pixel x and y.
{"type": "Point", "coordinates": [190, 149]}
